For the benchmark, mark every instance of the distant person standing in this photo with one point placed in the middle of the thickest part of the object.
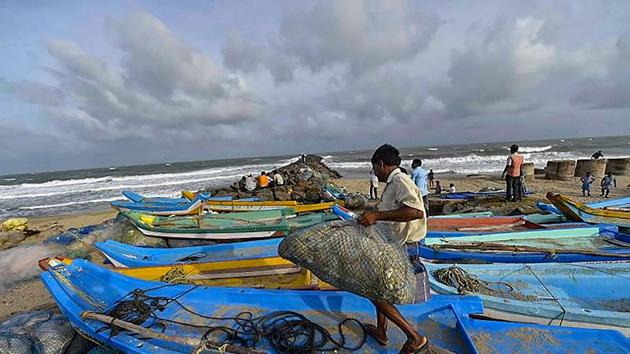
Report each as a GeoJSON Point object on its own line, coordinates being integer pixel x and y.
{"type": "Point", "coordinates": [419, 176]}
{"type": "Point", "coordinates": [607, 183]}
{"type": "Point", "coordinates": [263, 180]}
{"type": "Point", "coordinates": [598, 155]}
{"type": "Point", "coordinates": [373, 185]}
{"type": "Point", "coordinates": [587, 180]}
{"type": "Point", "coordinates": [438, 188]}
{"type": "Point", "coordinates": [512, 175]}
{"type": "Point", "coordinates": [431, 177]}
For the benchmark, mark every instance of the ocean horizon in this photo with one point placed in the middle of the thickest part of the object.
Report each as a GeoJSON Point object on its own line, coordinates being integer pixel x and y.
{"type": "Point", "coordinates": [61, 192]}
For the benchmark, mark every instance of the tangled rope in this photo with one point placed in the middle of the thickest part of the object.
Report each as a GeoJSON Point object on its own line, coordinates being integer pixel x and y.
{"type": "Point", "coordinates": [286, 331]}
{"type": "Point", "coordinates": [464, 282]}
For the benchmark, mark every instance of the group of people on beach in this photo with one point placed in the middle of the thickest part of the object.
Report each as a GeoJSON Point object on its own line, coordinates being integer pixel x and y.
{"type": "Point", "coordinates": [249, 183]}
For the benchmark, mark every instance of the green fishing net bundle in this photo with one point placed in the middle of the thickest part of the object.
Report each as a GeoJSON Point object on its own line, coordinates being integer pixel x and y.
{"type": "Point", "coordinates": [352, 257]}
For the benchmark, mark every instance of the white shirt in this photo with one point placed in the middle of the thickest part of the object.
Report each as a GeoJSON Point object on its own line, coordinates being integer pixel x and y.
{"type": "Point", "coordinates": [373, 180]}
{"type": "Point", "coordinates": [401, 190]}
{"type": "Point", "coordinates": [250, 183]}
{"type": "Point", "coordinates": [278, 179]}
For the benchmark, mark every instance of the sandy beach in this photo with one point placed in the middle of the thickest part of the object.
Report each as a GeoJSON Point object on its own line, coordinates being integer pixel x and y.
{"type": "Point", "coordinates": [31, 294]}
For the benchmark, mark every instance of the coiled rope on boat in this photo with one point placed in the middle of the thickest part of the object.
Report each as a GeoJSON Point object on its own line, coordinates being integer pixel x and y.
{"type": "Point", "coordinates": [465, 282]}
{"type": "Point", "coordinates": [286, 331]}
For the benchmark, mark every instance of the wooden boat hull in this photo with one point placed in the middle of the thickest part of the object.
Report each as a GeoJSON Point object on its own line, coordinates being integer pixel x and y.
{"type": "Point", "coordinates": [259, 273]}
{"type": "Point", "coordinates": [581, 212]}
{"type": "Point", "coordinates": [134, 256]}
{"type": "Point", "coordinates": [123, 255]}
{"type": "Point", "coordinates": [241, 206]}
{"type": "Point", "coordinates": [191, 208]}
{"type": "Point", "coordinates": [547, 246]}
{"type": "Point", "coordinates": [227, 227]}
{"type": "Point", "coordinates": [578, 292]}
{"type": "Point", "coordinates": [83, 286]}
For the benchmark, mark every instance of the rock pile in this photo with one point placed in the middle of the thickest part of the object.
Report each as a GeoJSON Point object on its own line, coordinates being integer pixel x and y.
{"type": "Point", "coordinates": [304, 180]}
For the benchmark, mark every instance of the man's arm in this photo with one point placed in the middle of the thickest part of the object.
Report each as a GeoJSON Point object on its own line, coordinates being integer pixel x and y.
{"type": "Point", "coordinates": [402, 214]}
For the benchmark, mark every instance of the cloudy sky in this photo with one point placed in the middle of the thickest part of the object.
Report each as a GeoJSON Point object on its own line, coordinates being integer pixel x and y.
{"type": "Point", "coordinates": [99, 83]}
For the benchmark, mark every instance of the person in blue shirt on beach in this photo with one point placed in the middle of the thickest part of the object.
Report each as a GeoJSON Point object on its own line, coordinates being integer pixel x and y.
{"type": "Point", "coordinates": [587, 180]}
{"type": "Point", "coordinates": [419, 176]}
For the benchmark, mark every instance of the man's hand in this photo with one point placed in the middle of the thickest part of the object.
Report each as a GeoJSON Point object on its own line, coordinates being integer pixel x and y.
{"type": "Point", "coordinates": [368, 218]}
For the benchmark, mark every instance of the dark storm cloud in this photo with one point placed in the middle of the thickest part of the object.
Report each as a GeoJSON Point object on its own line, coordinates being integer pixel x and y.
{"type": "Point", "coordinates": [326, 75]}
{"type": "Point", "coordinates": [161, 82]}
{"type": "Point", "coordinates": [611, 90]}
{"type": "Point", "coordinates": [357, 35]}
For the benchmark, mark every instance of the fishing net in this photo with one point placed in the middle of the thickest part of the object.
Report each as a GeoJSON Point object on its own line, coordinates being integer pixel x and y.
{"type": "Point", "coordinates": [40, 332]}
{"type": "Point", "coordinates": [355, 258]}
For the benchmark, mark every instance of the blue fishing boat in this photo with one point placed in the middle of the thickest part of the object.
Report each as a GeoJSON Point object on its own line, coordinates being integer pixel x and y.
{"type": "Point", "coordinates": [576, 292]}
{"type": "Point", "coordinates": [140, 199]}
{"type": "Point", "coordinates": [562, 245]}
{"type": "Point", "coordinates": [98, 302]}
{"type": "Point", "coordinates": [190, 207]}
{"type": "Point", "coordinates": [123, 255]}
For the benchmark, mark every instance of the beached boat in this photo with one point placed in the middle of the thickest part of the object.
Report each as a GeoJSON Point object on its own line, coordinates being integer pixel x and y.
{"type": "Point", "coordinates": [191, 207]}
{"type": "Point", "coordinates": [261, 273]}
{"type": "Point", "coordinates": [583, 244]}
{"type": "Point", "coordinates": [138, 198]}
{"type": "Point", "coordinates": [226, 227]}
{"type": "Point", "coordinates": [581, 212]}
{"type": "Point", "coordinates": [623, 203]}
{"type": "Point", "coordinates": [576, 292]}
{"type": "Point", "coordinates": [187, 196]}
{"type": "Point", "coordinates": [472, 195]}
{"type": "Point", "coordinates": [123, 255]}
{"type": "Point", "coordinates": [239, 205]}
{"type": "Point", "coordinates": [481, 224]}
{"type": "Point", "coordinates": [335, 191]}
{"type": "Point", "coordinates": [96, 300]}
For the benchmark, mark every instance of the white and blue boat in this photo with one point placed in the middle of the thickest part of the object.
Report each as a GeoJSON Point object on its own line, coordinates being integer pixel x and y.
{"type": "Point", "coordinates": [560, 293]}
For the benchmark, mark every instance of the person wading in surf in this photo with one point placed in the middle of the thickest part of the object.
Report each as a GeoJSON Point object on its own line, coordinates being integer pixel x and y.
{"type": "Point", "coordinates": [401, 207]}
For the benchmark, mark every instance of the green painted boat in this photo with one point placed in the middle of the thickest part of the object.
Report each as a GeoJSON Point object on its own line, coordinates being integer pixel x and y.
{"type": "Point", "coordinates": [226, 227]}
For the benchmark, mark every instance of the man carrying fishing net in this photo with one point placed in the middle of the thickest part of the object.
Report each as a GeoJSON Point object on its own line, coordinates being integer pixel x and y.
{"type": "Point", "coordinates": [402, 209]}
{"type": "Point", "coordinates": [368, 256]}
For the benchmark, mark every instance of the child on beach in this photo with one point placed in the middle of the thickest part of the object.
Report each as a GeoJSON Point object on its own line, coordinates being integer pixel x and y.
{"type": "Point", "coordinates": [430, 177]}
{"type": "Point", "coordinates": [607, 183]}
{"type": "Point", "coordinates": [587, 180]}
{"type": "Point", "coordinates": [438, 188]}
{"type": "Point", "coordinates": [451, 188]}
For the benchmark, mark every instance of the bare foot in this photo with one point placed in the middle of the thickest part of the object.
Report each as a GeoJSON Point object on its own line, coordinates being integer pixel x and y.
{"type": "Point", "coordinates": [373, 332]}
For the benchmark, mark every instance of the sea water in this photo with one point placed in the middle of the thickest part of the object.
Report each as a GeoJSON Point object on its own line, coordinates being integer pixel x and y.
{"type": "Point", "coordinates": [60, 192]}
